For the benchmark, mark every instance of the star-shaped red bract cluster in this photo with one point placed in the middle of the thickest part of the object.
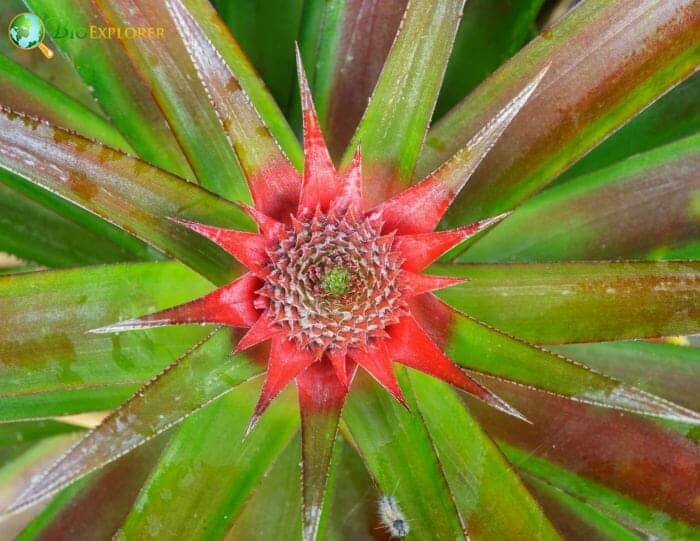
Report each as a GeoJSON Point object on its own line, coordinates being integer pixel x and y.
{"type": "Point", "coordinates": [330, 282]}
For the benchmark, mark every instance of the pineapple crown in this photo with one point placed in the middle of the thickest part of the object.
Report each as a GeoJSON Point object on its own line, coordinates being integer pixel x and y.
{"type": "Point", "coordinates": [332, 275]}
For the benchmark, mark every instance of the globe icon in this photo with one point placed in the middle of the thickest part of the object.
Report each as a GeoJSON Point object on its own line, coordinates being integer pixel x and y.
{"type": "Point", "coordinates": [26, 31]}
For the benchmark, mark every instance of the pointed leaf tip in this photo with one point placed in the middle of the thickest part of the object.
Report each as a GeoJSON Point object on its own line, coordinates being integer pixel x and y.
{"type": "Point", "coordinates": [378, 363]}
{"type": "Point", "coordinates": [410, 345]}
{"type": "Point", "coordinates": [643, 403]}
{"type": "Point", "coordinates": [351, 189]}
{"type": "Point", "coordinates": [357, 156]}
{"type": "Point", "coordinates": [263, 329]}
{"type": "Point", "coordinates": [338, 361]}
{"type": "Point", "coordinates": [421, 249]}
{"type": "Point", "coordinates": [253, 421]}
{"type": "Point", "coordinates": [307, 104]}
{"type": "Point", "coordinates": [184, 387]}
{"type": "Point", "coordinates": [498, 403]}
{"type": "Point", "coordinates": [493, 220]}
{"type": "Point", "coordinates": [456, 171]}
{"type": "Point", "coordinates": [266, 225]}
{"type": "Point", "coordinates": [127, 325]}
{"type": "Point", "coordinates": [286, 362]}
{"type": "Point", "coordinates": [320, 181]}
{"type": "Point", "coordinates": [420, 208]}
{"type": "Point", "coordinates": [415, 284]}
{"type": "Point", "coordinates": [535, 367]}
{"type": "Point", "coordinates": [398, 112]}
{"type": "Point", "coordinates": [230, 305]}
{"type": "Point", "coordinates": [247, 248]}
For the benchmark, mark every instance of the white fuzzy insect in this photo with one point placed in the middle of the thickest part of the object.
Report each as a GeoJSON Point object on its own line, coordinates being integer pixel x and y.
{"type": "Point", "coordinates": [391, 517]}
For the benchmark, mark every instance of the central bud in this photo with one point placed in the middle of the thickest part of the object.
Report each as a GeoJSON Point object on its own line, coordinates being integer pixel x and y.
{"type": "Point", "coordinates": [333, 282]}
{"type": "Point", "coordinates": [336, 281]}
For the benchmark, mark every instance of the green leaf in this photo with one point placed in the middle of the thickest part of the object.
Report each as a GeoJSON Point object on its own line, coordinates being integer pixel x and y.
{"type": "Point", "coordinates": [114, 82]}
{"type": "Point", "coordinates": [344, 46]}
{"type": "Point", "coordinates": [126, 191]}
{"type": "Point", "coordinates": [605, 67]}
{"type": "Point", "coordinates": [399, 455]}
{"type": "Point", "coordinates": [277, 500]}
{"type": "Point", "coordinates": [618, 507]}
{"type": "Point", "coordinates": [351, 483]}
{"type": "Point", "coordinates": [26, 92]}
{"type": "Point", "coordinates": [626, 453]}
{"type": "Point", "coordinates": [171, 76]}
{"type": "Point", "coordinates": [574, 518]}
{"type": "Point", "coordinates": [248, 78]}
{"type": "Point", "coordinates": [664, 369]}
{"type": "Point", "coordinates": [321, 398]}
{"type": "Point", "coordinates": [29, 431]}
{"type": "Point", "coordinates": [477, 346]}
{"type": "Point", "coordinates": [33, 232]}
{"type": "Point", "coordinates": [52, 366]}
{"type": "Point", "coordinates": [495, 29]}
{"type": "Point", "coordinates": [672, 117]}
{"type": "Point", "coordinates": [20, 269]}
{"type": "Point", "coordinates": [200, 376]}
{"type": "Point", "coordinates": [210, 469]}
{"type": "Point", "coordinates": [683, 250]}
{"type": "Point", "coordinates": [130, 246]}
{"type": "Point", "coordinates": [269, 174]}
{"type": "Point", "coordinates": [645, 202]}
{"type": "Point", "coordinates": [18, 437]}
{"type": "Point", "coordinates": [478, 476]}
{"type": "Point", "coordinates": [95, 507]}
{"type": "Point", "coordinates": [61, 401]}
{"type": "Point", "coordinates": [555, 303]}
{"type": "Point", "coordinates": [273, 510]}
{"type": "Point", "coordinates": [11, 452]}
{"type": "Point", "coordinates": [257, 25]}
{"type": "Point", "coordinates": [393, 127]}
{"type": "Point", "coordinates": [15, 472]}
{"type": "Point", "coordinates": [23, 91]}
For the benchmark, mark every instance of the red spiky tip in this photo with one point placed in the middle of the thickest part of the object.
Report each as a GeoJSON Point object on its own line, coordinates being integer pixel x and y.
{"type": "Point", "coordinates": [330, 284]}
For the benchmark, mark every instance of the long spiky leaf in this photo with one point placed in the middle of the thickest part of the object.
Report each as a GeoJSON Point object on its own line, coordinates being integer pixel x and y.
{"type": "Point", "coordinates": [199, 377]}
{"type": "Point", "coordinates": [394, 124]}
{"type": "Point", "coordinates": [273, 181]}
{"type": "Point", "coordinates": [608, 62]}
{"type": "Point", "coordinates": [420, 208]}
{"type": "Point", "coordinates": [477, 346]}
{"type": "Point", "coordinates": [120, 189]}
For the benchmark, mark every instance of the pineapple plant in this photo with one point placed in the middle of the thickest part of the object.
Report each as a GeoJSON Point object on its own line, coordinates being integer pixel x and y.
{"type": "Point", "coordinates": [351, 270]}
